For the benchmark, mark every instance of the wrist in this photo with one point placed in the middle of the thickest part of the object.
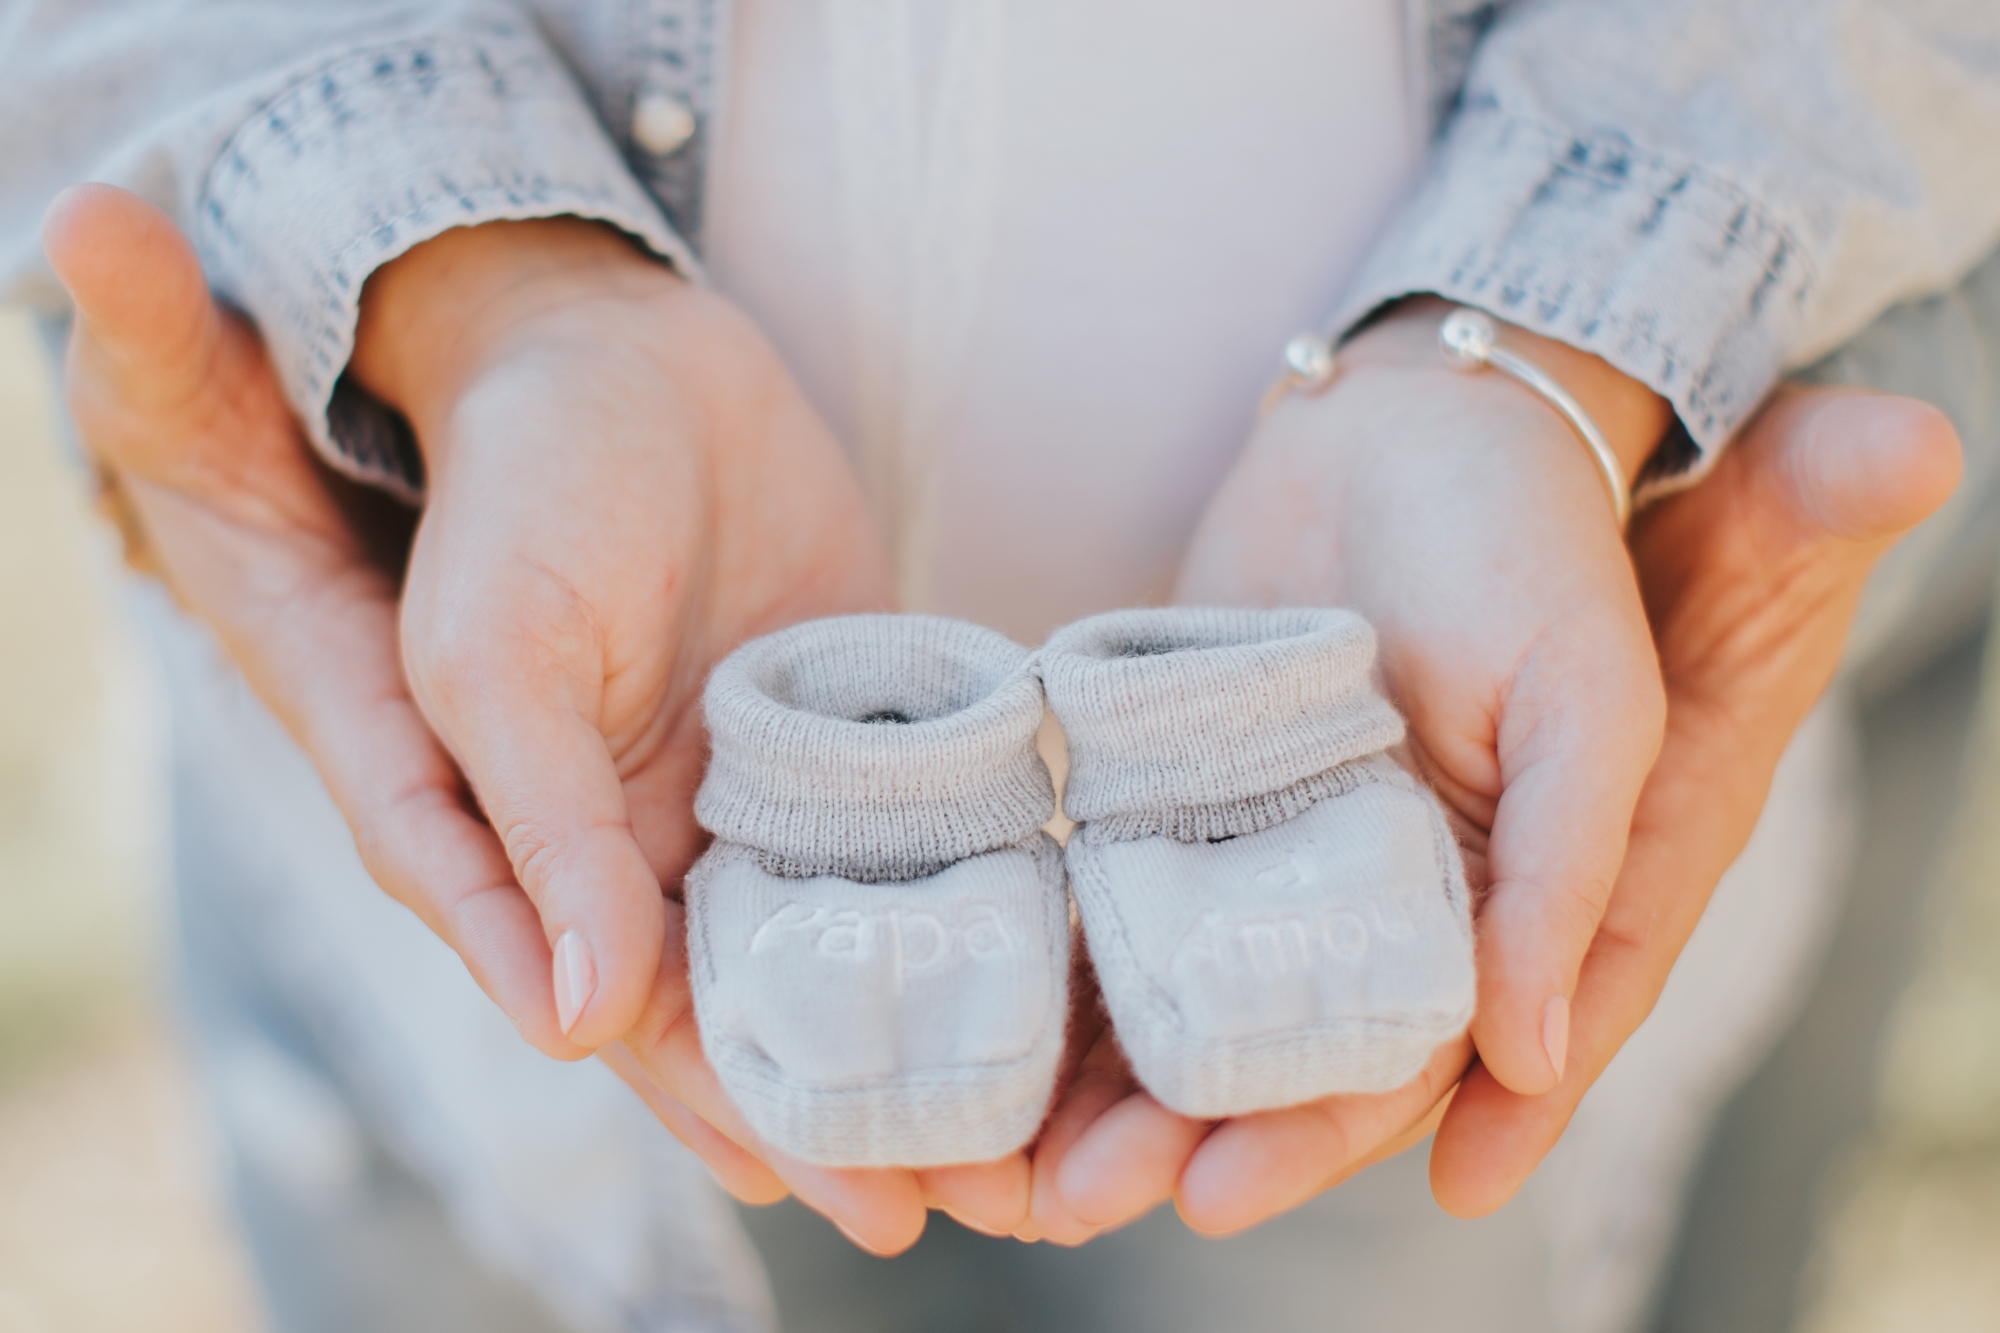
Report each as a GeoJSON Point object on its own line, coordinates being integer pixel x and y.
{"type": "Point", "coordinates": [1632, 418]}
{"type": "Point", "coordinates": [435, 316]}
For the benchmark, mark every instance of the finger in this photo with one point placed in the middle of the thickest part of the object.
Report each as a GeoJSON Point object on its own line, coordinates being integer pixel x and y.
{"type": "Point", "coordinates": [747, 1179]}
{"type": "Point", "coordinates": [1101, 1081]}
{"type": "Point", "coordinates": [509, 673]}
{"type": "Point", "coordinates": [989, 1197]}
{"type": "Point", "coordinates": [1798, 511]}
{"type": "Point", "coordinates": [1854, 468]}
{"type": "Point", "coordinates": [316, 640]}
{"type": "Point", "coordinates": [419, 836]}
{"type": "Point", "coordinates": [1219, 1225]}
{"type": "Point", "coordinates": [1254, 1167]}
{"type": "Point", "coordinates": [1692, 822]}
{"type": "Point", "coordinates": [1579, 729]}
{"type": "Point", "coordinates": [882, 1211]}
{"type": "Point", "coordinates": [1126, 1162]}
{"type": "Point", "coordinates": [165, 385]}
{"type": "Point", "coordinates": [141, 300]}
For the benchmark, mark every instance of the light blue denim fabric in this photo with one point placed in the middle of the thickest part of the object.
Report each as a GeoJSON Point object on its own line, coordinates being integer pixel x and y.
{"type": "Point", "coordinates": [1700, 191]}
{"type": "Point", "coordinates": [1707, 192]}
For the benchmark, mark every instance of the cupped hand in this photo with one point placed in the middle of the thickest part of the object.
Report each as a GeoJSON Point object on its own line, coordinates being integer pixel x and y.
{"type": "Point", "coordinates": [177, 400]}
{"type": "Point", "coordinates": [1460, 515]}
{"type": "Point", "coordinates": [624, 484]}
{"type": "Point", "coordinates": [176, 403]}
{"type": "Point", "coordinates": [1749, 582]}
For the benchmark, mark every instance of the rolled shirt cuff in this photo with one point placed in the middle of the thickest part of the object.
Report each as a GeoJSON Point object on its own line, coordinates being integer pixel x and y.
{"type": "Point", "coordinates": [372, 151]}
{"type": "Point", "coordinates": [1674, 276]}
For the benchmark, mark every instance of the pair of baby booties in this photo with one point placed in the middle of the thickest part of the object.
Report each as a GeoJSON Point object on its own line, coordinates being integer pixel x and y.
{"type": "Point", "coordinates": [879, 938]}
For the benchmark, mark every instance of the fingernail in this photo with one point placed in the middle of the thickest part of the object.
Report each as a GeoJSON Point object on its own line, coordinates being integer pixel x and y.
{"type": "Point", "coordinates": [576, 978]}
{"type": "Point", "coordinates": [971, 1225]}
{"type": "Point", "coordinates": [859, 1243]}
{"type": "Point", "coordinates": [1555, 1033]}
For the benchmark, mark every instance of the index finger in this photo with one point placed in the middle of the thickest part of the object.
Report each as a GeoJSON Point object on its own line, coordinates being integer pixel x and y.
{"type": "Point", "coordinates": [1579, 730]}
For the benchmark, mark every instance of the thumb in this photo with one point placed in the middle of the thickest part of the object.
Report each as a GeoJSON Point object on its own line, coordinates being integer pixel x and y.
{"type": "Point", "coordinates": [163, 384]}
{"type": "Point", "coordinates": [142, 303]}
{"type": "Point", "coordinates": [1755, 572]}
{"type": "Point", "coordinates": [1856, 466]}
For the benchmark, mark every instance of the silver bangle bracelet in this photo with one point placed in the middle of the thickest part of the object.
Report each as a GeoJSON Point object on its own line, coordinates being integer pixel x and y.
{"type": "Point", "coordinates": [1310, 365]}
{"type": "Point", "coordinates": [1471, 341]}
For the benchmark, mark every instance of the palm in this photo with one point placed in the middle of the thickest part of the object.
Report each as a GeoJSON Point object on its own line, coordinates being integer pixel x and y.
{"type": "Point", "coordinates": [1749, 583]}
{"type": "Point", "coordinates": [1511, 634]}
{"type": "Point", "coordinates": [629, 509]}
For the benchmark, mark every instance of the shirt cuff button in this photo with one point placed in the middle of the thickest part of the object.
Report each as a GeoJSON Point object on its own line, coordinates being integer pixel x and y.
{"type": "Point", "coordinates": [662, 124]}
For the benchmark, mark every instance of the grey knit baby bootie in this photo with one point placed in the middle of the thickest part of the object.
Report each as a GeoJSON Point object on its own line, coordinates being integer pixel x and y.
{"type": "Point", "coordinates": [1276, 910]}
{"type": "Point", "coordinates": [879, 937]}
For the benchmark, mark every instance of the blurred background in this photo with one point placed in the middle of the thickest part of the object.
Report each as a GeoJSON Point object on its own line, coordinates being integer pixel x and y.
{"type": "Point", "coordinates": [1854, 1183]}
{"type": "Point", "coordinates": [110, 1214]}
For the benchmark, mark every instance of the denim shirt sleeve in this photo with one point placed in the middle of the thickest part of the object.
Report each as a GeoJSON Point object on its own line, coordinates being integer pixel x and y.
{"type": "Point", "coordinates": [1705, 192]}
{"type": "Point", "coordinates": [316, 143]}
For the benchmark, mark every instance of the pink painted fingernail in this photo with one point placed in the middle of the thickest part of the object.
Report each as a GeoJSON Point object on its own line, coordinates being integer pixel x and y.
{"type": "Point", "coordinates": [971, 1225]}
{"type": "Point", "coordinates": [859, 1243]}
{"type": "Point", "coordinates": [1555, 1033]}
{"type": "Point", "coordinates": [576, 978]}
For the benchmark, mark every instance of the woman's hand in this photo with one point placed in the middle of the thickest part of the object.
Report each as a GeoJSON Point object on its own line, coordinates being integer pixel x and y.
{"type": "Point", "coordinates": [1460, 515]}
{"type": "Point", "coordinates": [624, 485]}
{"type": "Point", "coordinates": [1749, 582]}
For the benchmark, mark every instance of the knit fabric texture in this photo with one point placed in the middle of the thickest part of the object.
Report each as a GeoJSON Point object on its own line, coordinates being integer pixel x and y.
{"type": "Point", "coordinates": [1201, 722]}
{"type": "Point", "coordinates": [874, 747]}
{"type": "Point", "coordinates": [1276, 911]}
{"type": "Point", "coordinates": [903, 1023]}
{"type": "Point", "coordinates": [878, 940]}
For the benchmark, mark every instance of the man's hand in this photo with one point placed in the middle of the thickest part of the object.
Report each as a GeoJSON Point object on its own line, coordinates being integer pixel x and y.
{"type": "Point", "coordinates": [176, 398]}
{"type": "Point", "coordinates": [1751, 581]}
